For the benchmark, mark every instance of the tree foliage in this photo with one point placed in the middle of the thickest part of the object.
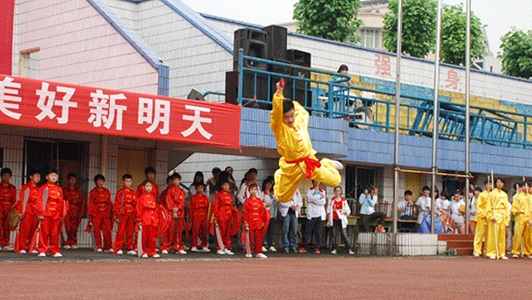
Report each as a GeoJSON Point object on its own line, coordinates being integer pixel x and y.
{"type": "Point", "coordinates": [419, 27]}
{"type": "Point", "coordinates": [516, 53]}
{"type": "Point", "coordinates": [330, 19]}
{"type": "Point", "coordinates": [453, 34]}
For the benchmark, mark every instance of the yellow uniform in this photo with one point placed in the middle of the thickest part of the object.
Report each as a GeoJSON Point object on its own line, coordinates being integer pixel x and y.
{"type": "Point", "coordinates": [498, 210]}
{"type": "Point", "coordinates": [298, 159]}
{"type": "Point", "coordinates": [519, 205]}
{"type": "Point", "coordinates": [527, 231]}
{"type": "Point", "coordinates": [482, 224]}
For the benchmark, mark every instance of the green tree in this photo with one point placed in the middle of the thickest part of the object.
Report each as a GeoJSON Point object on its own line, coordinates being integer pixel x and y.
{"type": "Point", "coordinates": [453, 33]}
{"type": "Point", "coordinates": [419, 27]}
{"type": "Point", "coordinates": [330, 19]}
{"type": "Point", "coordinates": [516, 53]}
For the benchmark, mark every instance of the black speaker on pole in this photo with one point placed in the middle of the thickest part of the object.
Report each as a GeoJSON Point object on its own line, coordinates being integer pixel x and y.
{"type": "Point", "coordinates": [253, 42]}
{"type": "Point", "coordinates": [249, 90]}
{"type": "Point", "coordinates": [195, 95]}
{"type": "Point", "coordinates": [276, 42]}
{"type": "Point", "coordinates": [303, 93]}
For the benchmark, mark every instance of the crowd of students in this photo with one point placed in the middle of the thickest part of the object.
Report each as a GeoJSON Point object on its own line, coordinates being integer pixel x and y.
{"type": "Point", "coordinates": [47, 217]}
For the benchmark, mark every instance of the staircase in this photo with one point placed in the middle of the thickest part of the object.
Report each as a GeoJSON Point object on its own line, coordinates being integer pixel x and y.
{"type": "Point", "coordinates": [458, 244]}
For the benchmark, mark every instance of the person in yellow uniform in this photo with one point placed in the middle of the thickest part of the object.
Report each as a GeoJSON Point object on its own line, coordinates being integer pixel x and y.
{"type": "Point", "coordinates": [498, 219]}
{"type": "Point", "coordinates": [527, 231]}
{"type": "Point", "coordinates": [519, 204]}
{"type": "Point", "coordinates": [289, 123]}
{"type": "Point", "coordinates": [481, 229]}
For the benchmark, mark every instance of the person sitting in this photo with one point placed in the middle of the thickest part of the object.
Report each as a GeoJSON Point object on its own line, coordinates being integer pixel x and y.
{"type": "Point", "coordinates": [406, 210]}
{"type": "Point", "coordinates": [367, 200]}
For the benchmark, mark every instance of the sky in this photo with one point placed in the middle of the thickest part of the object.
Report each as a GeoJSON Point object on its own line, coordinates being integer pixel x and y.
{"type": "Point", "coordinates": [499, 15]}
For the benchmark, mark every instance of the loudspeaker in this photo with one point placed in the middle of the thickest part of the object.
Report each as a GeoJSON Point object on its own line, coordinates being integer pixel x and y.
{"type": "Point", "coordinates": [253, 41]}
{"type": "Point", "coordinates": [282, 72]}
{"type": "Point", "coordinates": [276, 42]}
{"type": "Point", "coordinates": [300, 58]}
{"type": "Point", "coordinates": [248, 89]}
{"type": "Point", "coordinates": [195, 95]}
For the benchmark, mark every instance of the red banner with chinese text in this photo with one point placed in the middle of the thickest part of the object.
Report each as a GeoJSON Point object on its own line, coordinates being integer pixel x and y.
{"type": "Point", "coordinates": [60, 106]}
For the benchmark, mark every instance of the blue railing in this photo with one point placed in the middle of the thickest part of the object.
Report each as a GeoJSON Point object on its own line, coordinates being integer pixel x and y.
{"type": "Point", "coordinates": [329, 94]}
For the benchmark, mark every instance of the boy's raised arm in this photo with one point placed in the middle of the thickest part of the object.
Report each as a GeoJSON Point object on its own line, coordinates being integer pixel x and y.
{"type": "Point", "coordinates": [276, 115]}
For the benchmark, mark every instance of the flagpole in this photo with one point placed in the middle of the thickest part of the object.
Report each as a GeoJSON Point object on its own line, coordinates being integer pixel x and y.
{"type": "Point", "coordinates": [467, 100]}
{"type": "Point", "coordinates": [435, 115]}
{"type": "Point", "coordinates": [397, 110]}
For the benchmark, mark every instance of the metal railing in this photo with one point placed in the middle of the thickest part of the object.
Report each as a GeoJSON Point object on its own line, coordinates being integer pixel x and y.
{"type": "Point", "coordinates": [333, 95]}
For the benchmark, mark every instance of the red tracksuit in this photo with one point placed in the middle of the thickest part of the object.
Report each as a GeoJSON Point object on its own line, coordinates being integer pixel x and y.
{"type": "Point", "coordinates": [76, 208]}
{"type": "Point", "coordinates": [125, 212]}
{"type": "Point", "coordinates": [223, 212]}
{"type": "Point", "coordinates": [175, 198]}
{"type": "Point", "coordinates": [54, 211]}
{"type": "Point", "coordinates": [254, 212]}
{"type": "Point", "coordinates": [100, 213]}
{"type": "Point", "coordinates": [29, 223]}
{"type": "Point", "coordinates": [198, 210]}
{"type": "Point", "coordinates": [147, 216]}
{"type": "Point", "coordinates": [8, 197]}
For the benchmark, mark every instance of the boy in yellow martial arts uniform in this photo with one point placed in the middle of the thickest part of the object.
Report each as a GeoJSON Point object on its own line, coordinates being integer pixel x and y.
{"type": "Point", "coordinates": [482, 223]}
{"type": "Point", "coordinates": [498, 218]}
{"type": "Point", "coordinates": [289, 123]}
{"type": "Point", "coordinates": [519, 211]}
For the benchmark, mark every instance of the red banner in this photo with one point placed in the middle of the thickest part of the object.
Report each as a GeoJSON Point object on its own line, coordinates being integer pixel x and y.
{"type": "Point", "coordinates": [6, 36]}
{"type": "Point", "coordinates": [45, 104]}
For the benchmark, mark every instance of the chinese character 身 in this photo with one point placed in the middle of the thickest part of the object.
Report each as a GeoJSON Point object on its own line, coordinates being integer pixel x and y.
{"type": "Point", "coordinates": [104, 108]}
{"type": "Point", "coordinates": [452, 79]}
{"type": "Point", "coordinates": [154, 115]}
{"type": "Point", "coordinates": [196, 121]}
{"type": "Point", "coordinates": [47, 101]}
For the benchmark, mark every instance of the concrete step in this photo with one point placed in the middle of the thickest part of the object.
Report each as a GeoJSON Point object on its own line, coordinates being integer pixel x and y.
{"type": "Point", "coordinates": [456, 237]}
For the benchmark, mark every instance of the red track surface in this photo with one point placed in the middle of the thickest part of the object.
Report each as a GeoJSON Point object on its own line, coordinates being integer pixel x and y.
{"type": "Point", "coordinates": [274, 278]}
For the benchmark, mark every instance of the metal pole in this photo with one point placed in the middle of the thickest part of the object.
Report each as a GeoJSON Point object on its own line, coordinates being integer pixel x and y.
{"type": "Point", "coordinates": [435, 114]}
{"type": "Point", "coordinates": [397, 110]}
{"type": "Point", "coordinates": [467, 100]}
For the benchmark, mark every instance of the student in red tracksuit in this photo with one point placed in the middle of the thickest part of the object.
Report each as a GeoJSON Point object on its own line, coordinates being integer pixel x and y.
{"type": "Point", "coordinates": [100, 214]}
{"type": "Point", "coordinates": [8, 197]}
{"type": "Point", "coordinates": [147, 219]}
{"type": "Point", "coordinates": [175, 203]}
{"type": "Point", "coordinates": [51, 209]}
{"type": "Point", "coordinates": [125, 214]}
{"type": "Point", "coordinates": [223, 214]}
{"type": "Point", "coordinates": [254, 216]}
{"type": "Point", "coordinates": [198, 210]}
{"type": "Point", "coordinates": [76, 209]}
{"type": "Point", "coordinates": [30, 222]}
{"type": "Point", "coordinates": [150, 175]}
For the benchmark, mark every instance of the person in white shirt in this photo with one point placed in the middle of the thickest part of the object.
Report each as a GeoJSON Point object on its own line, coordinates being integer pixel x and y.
{"type": "Point", "coordinates": [407, 211]}
{"type": "Point", "coordinates": [423, 205]}
{"type": "Point", "coordinates": [316, 201]}
{"type": "Point", "coordinates": [338, 210]}
{"type": "Point", "coordinates": [458, 211]}
{"type": "Point", "coordinates": [290, 211]}
{"type": "Point", "coordinates": [473, 209]}
{"type": "Point", "coordinates": [243, 192]}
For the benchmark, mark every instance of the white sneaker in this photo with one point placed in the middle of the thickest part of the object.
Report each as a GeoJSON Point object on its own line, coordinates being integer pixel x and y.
{"type": "Point", "coordinates": [75, 247]}
{"type": "Point", "coordinates": [272, 249]}
{"type": "Point", "coordinates": [220, 252]}
{"type": "Point", "coordinates": [22, 251]}
{"type": "Point", "coordinates": [181, 252]}
{"type": "Point", "coordinates": [261, 255]}
{"type": "Point", "coordinates": [164, 252]}
{"type": "Point", "coordinates": [109, 251]}
{"type": "Point", "coordinates": [205, 249]}
{"type": "Point", "coordinates": [99, 250]}
{"type": "Point", "coordinates": [338, 165]}
{"type": "Point", "coordinates": [194, 249]}
{"type": "Point", "coordinates": [34, 252]}
{"type": "Point", "coordinates": [156, 255]}
{"type": "Point", "coordinates": [119, 252]}
{"type": "Point", "coordinates": [248, 255]}
{"type": "Point", "coordinates": [157, 250]}
{"type": "Point", "coordinates": [504, 257]}
{"type": "Point", "coordinates": [264, 249]}
{"type": "Point", "coordinates": [144, 255]}
{"type": "Point", "coordinates": [185, 247]}
{"type": "Point", "coordinates": [530, 256]}
{"type": "Point", "coordinates": [42, 254]}
{"type": "Point", "coordinates": [132, 252]}
{"type": "Point", "coordinates": [67, 247]}
{"type": "Point", "coordinates": [476, 255]}
{"type": "Point", "coordinates": [492, 257]}
{"type": "Point", "coordinates": [228, 252]}
{"type": "Point", "coordinates": [515, 256]}
{"type": "Point", "coordinates": [58, 255]}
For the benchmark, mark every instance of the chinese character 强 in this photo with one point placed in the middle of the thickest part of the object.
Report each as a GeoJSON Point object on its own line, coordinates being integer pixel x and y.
{"type": "Point", "coordinates": [382, 62]}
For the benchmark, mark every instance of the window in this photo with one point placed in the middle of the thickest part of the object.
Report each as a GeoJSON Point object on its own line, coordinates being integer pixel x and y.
{"type": "Point", "coordinates": [29, 63]}
{"type": "Point", "coordinates": [370, 38]}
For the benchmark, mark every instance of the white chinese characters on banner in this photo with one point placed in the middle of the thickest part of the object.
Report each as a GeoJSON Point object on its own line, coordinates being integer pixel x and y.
{"type": "Point", "coordinates": [47, 101]}
{"type": "Point", "coordinates": [154, 114]}
{"type": "Point", "coordinates": [105, 109]}
{"type": "Point", "coordinates": [9, 99]}
{"type": "Point", "coordinates": [196, 121]}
